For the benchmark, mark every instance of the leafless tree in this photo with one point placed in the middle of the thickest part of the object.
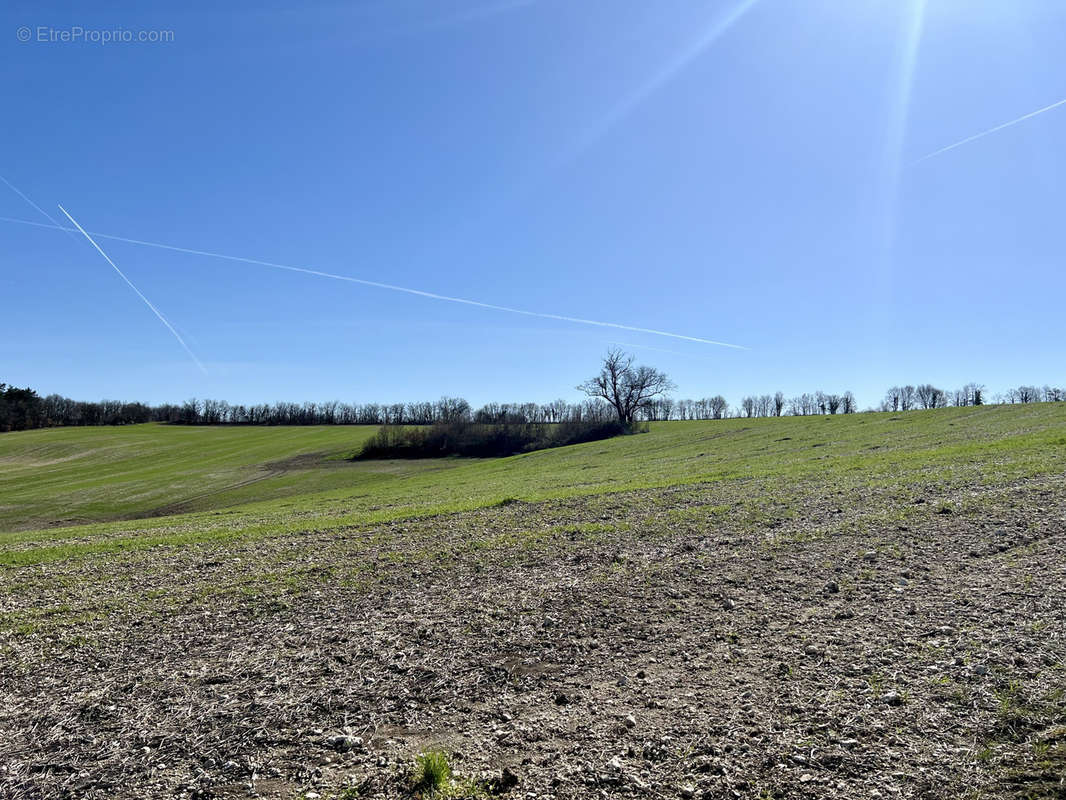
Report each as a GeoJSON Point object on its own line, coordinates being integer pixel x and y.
{"type": "Point", "coordinates": [802, 405]}
{"type": "Point", "coordinates": [1027, 394]}
{"type": "Point", "coordinates": [930, 397]}
{"type": "Point", "coordinates": [892, 399]}
{"type": "Point", "coordinates": [906, 398]}
{"type": "Point", "coordinates": [558, 411]}
{"type": "Point", "coordinates": [658, 410]}
{"type": "Point", "coordinates": [420, 413]}
{"type": "Point", "coordinates": [626, 387]}
{"type": "Point", "coordinates": [595, 410]}
{"type": "Point", "coordinates": [452, 409]}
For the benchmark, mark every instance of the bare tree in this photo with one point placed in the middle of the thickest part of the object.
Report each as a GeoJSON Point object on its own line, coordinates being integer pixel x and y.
{"type": "Point", "coordinates": [1027, 394]}
{"type": "Point", "coordinates": [660, 409]}
{"type": "Point", "coordinates": [626, 387]}
{"type": "Point", "coordinates": [452, 409]}
{"type": "Point", "coordinates": [969, 395]}
{"type": "Point", "coordinates": [892, 399]}
{"type": "Point", "coordinates": [802, 405]}
{"type": "Point", "coordinates": [718, 406]}
{"type": "Point", "coordinates": [906, 398]}
{"type": "Point", "coordinates": [558, 411]}
{"type": "Point", "coordinates": [931, 397]}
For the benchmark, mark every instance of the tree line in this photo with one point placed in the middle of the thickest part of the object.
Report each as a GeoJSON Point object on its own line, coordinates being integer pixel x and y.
{"type": "Point", "coordinates": [905, 398]}
{"type": "Point", "coordinates": [24, 409]}
{"type": "Point", "coordinates": [765, 405]}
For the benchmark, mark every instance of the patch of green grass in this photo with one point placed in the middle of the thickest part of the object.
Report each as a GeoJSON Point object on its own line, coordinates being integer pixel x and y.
{"type": "Point", "coordinates": [432, 774]}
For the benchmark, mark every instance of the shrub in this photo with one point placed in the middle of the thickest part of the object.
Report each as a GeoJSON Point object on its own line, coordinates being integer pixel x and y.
{"type": "Point", "coordinates": [474, 440]}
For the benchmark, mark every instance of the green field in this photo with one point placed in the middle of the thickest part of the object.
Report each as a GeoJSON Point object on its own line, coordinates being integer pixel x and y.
{"type": "Point", "coordinates": [129, 483]}
{"type": "Point", "coordinates": [77, 475]}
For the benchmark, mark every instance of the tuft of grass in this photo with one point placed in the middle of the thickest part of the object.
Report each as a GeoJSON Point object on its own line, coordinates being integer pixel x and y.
{"type": "Point", "coordinates": [432, 775]}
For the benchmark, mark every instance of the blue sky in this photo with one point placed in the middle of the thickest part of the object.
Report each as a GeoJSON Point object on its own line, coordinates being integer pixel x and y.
{"type": "Point", "coordinates": [725, 170]}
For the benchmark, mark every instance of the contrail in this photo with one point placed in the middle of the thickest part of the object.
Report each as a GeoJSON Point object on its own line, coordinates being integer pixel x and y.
{"type": "Point", "coordinates": [147, 302]}
{"type": "Point", "coordinates": [390, 287]}
{"type": "Point", "coordinates": [18, 191]}
{"type": "Point", "coordinates": [990, 131]}
{"type": "Point", "coordinates": [55, 224]}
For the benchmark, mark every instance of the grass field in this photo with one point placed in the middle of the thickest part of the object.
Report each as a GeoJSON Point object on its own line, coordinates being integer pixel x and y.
{"type": "Point", "coordinates": [598, 618]}
{"type": "Point", "coordinates": [300, 479]}
{"type": "Point", "coordinates": [77, 475]}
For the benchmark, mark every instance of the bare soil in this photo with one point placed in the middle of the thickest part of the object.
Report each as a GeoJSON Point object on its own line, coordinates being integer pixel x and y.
{"type": "Point", "coordinates": [668, 643]}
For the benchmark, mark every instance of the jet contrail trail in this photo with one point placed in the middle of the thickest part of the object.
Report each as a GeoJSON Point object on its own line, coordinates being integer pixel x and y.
{"type": "Point", "coordinates": [990, 131]}
{"type": "Point", "coordinates": [390, 287]}
{"type": "Point", "coordinates": [70, 231]}
{"type": "Point", "coordinates": [18, 191]}
{"type": "Point", "coordinates": [147, 302]}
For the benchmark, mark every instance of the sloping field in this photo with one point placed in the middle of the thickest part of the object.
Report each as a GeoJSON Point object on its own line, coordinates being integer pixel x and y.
{"type": "Point", "coordinates": [812, 607]}
{"type": "Point", "coordinates": [948, 447]}
{"type": "Point", "coordinates": [70, 476]}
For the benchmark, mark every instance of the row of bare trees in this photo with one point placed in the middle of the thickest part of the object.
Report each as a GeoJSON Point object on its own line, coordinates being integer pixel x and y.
{"type": "Point", "coordinates": [665, 408]}
{"type": "Point", "coordinates": [622, 390]}
{"type": "Point", "coordinates": [905, 398]}
{"type": "Point", "coordinates": [641, 393]}
{"type": "Point", "coordinates": [594, 409]}
{"type": "Point", "coordinates": [21, 409]}
{"type": "Point", "coordinates": [766, 405]}
{"type": "Point", "coordinates": [444, 411]}
{"type": "Point", "coordinates": [1032, 394]}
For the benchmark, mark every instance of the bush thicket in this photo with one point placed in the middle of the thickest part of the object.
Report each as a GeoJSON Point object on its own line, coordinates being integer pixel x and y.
{"type": "Point", "coordinates": [474, 440]}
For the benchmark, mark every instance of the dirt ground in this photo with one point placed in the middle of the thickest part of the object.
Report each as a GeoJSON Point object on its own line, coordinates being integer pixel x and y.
{"type": "Point", "coordinates": [683, 643]}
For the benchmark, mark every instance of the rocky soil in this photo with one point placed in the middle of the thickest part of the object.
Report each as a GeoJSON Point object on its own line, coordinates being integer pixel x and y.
{"type": "Point", "coordinates": [686, 643]}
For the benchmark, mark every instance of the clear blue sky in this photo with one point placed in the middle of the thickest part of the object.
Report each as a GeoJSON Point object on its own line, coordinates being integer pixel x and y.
{"type": "Point", "coordinates": [734, 171]}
